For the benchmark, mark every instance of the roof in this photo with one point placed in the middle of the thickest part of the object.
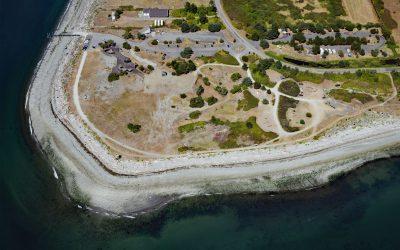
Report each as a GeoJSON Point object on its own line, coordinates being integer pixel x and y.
{"type": "Point", "coordinates": [156, 12]}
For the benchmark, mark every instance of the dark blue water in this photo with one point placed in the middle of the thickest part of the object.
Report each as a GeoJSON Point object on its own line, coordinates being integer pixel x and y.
{"type": "Point", "coordinates": [359, 211]}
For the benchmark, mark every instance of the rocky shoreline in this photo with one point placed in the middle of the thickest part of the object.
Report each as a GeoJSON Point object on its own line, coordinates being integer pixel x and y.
{"type": "Point", "coordinates": [94, 178]}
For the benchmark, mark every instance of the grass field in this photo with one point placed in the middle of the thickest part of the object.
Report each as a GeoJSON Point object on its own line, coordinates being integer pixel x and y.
{"type": "Point", "coordinates": [348, 96]}
{"type": "Point", "coordinates": [360, 11]}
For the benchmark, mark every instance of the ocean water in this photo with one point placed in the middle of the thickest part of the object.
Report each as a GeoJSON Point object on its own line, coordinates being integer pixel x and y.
{"type": "Point", "coordinates": [358, 211]}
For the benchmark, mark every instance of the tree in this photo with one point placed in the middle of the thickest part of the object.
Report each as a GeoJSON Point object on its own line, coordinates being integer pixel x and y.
{"type": "Point", "coordinates": [214, 27]}
{"type": "Point", "coordinates": [340, 53]}
{"type": "Point", "coordinates": [264, 44]}
{"type": "Point", "coordinates": [185, 27]}
{"type": "Point", "coordinates": [362, 52]}
{"type": "Point", "coordinates": [374, 53]}
{"type": "Point", "coordinates": [154, 42]}
{"type": "Point", "coordinates": [278, 64]}
{"type": "Point", "coordinates": [244, 66]}
{"type": "Point", "coordinates": [126, 45]}
{"type": "Point", "coordinates": [247, 82]}
{"type": "Point", "coordinates": [191, 8]}
{"type": "Point", "coordinates": [141, 36]}
{"type": "Point", "coordinates": [137, 49]}
{"type": "Point", "coordinates": [187, 52]}
{"type": "Point", "coordinates": [203, 19]}
{"type": "Point", "coordinates": [316, 49]}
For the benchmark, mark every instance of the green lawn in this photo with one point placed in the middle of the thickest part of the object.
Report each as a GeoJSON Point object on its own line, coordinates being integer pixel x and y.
{"type": "Point", "coordinates": [187, 128]}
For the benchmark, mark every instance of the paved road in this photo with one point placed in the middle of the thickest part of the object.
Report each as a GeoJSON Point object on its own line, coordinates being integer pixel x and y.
{"type": "Point", "coordinates": [251, 48]}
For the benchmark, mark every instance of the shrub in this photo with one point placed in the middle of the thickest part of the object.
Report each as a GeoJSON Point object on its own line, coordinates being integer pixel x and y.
{"type": "Point", "coordinates": [264, 44]}
{"type": "Point", "coordinates": [187, 52]}
{"type": "Point", "coordinates": [309, 115]}
{"type": "Point", "coordinates": [126, 45]}
{"type": "Point", "coordinates": [196, 102]}
{"type": "Point", "coordinates": [245, 58]}
{"type": "Point", "coordinates": [195, 114]}
{"type": "Point", "coordinates": [247, 81]}
{"type": "Point", "coordinates": [211, 100]}
{"type": "Point", "coordinates": [134, 128]}
{"type": "Point", "coordinates": [302, 122]}
{"type": "Point", "coordinates": [221, 90]}
{"type": "Point", "coordinates": [183, 96]}
{"type": "Point", "coordinates": [206, 81]}
{"type": "Point", "coordinates": [289, 87]}
{"type": "Point", "coordinates": [154, 42]}
{"type": "Point", "coordinates": [149, 67]}
{"type": "Point", "coordinates": [200, 90]}
{"type": "Point", "coordinates": [236, 89]}
{"type": "Point", "coordinates": [235, 76]}
{"type": "Point", "coordinates": [113, 77]}
{"type": "Point", "coordinates": [137, 49]}
{"type": "Point", "coordinates": [265, 101]}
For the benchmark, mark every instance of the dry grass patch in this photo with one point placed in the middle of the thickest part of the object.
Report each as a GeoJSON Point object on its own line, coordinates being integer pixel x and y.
{"type": "Point", "coordinates": [360, 11]}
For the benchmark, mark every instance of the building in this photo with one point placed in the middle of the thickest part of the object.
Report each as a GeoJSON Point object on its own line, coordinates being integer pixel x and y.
{"type": "Point", "coordinates": [154, 13]}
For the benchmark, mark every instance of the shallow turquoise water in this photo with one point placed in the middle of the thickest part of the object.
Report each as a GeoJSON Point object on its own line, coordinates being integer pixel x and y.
{"type": "Point", "coordinates": [359, 211]}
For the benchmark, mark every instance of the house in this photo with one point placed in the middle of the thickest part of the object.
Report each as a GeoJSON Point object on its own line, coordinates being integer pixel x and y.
{"type": "Point", "coordinates": [154, 13]}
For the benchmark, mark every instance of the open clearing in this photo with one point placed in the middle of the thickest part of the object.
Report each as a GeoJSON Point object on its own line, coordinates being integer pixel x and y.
{"type": "Point", "coordinates": [393, 7]}
{"type": "Point", "coordinates": [360, 11]}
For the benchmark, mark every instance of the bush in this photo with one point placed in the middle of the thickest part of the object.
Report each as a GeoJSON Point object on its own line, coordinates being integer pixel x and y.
{"type": "Point", "coordinates": [195, 114]}
{"type": "Point", "coordinates": [154, 42]}
{"type": "Point", "coordinates": [235, 76]}
{"type": "Point", "coordinates": [149, 67]}
{"type": "Point", "coordinates": [247, 81]}
{"type": "Point", "coordinates": [245, 58]}
{"type": "Point", "coordinates": [236, 89]}
{"type": "Point", "coordinates": [196, 102]}
{"type": "Point", "coordinates": [221, 90]}
{"type": "Point", "coordinates": [182, 67]}
{"type": "Point", "coordinates": [126, 45]}
{"type": "Point", "coordinates": [206, 81]}
{"type": "Point", "coordinates": [211, 100]}
{"type": "Point", "coordinates": [200, 90]}
{"type": "Point", "coordinates": [309, 115]}
{"type": "Point", "coordinates": [265, 101]}
{"type": "Point", "coordinates": [183, 96]}
{"type": "Point", "coordinates": [264, 44]}
{"type": "Point", "coordinates": [134, 128]}
{"type": "Point", "coordinates": [302, 122]}
{"type": "Point", "coordinates": [187, 52]}
{"type": "Point", "coordinates": [137, 49]}
{"type": "Point", "coordinates": [113, 77]}
{"type": "Point", "coordinates": [214, 27]}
